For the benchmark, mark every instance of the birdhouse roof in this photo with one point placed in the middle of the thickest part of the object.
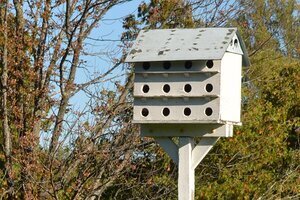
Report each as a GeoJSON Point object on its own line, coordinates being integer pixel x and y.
{"type": "Point", "coordinates": [186, 44]}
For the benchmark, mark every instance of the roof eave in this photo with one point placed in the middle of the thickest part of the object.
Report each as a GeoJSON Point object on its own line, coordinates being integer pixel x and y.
{"type": "Point", "coordinates": [246, 61]}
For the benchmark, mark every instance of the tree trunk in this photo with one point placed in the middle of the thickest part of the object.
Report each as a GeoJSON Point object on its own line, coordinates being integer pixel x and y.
{"type": "Point", "coordinates": [4, 106]}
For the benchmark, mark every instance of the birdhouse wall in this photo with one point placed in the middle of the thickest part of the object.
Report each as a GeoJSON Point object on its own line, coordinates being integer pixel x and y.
{"type": "Point", "coordinates": [177, 92]}
{"type": "Point", "coordinates": [230, 91]}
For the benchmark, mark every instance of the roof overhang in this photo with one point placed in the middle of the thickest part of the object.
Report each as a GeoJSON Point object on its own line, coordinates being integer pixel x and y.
{"type": "Point", "coordinates": [184, 44]}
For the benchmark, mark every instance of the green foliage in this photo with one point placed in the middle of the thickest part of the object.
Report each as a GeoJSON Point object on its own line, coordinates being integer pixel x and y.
{"type": "Point", "coordinates": [158, 14]}
{"type": "Point", "coordinates": [166, 14]}
{"type": "Point", "coordinates": [260, 160]}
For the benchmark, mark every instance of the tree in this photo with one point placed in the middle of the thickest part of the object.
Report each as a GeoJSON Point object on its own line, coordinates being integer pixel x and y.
{"type": "Point", "coordinates": [96, 152]}
{"type": "Point", "coordinates": [47, 41]}
{"type": "Point", "coordinates": [4, 105]}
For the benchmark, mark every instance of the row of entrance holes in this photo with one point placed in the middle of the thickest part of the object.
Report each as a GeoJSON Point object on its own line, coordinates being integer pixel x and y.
{"type": "Point", "coordinates": [187, 88]}
{"type": "Point", "coordinates": [187, 112]}
{"type": "Point", "coordinates": [187, 65]}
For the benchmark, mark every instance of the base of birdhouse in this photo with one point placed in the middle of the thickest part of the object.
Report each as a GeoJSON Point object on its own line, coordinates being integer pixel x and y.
{"type": "Point", "coordinates": [186, 130]}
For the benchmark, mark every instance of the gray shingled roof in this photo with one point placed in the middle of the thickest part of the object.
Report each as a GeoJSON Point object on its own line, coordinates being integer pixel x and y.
{"type": "Point", "coordinates": [184, 44]}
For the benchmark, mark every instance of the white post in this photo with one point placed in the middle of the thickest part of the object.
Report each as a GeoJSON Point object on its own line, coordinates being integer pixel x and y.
{"type": "Point", "coordinates": [187, 156]}
{"type": "Point", "coordinates": [186, 172]}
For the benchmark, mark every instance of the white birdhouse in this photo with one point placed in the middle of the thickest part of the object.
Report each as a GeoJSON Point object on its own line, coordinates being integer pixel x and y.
{"type": "Point", "coordinates": [187, 79]}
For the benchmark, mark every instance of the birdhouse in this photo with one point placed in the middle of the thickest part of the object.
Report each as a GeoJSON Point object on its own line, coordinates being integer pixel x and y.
{"type": "Point", "coordinates": [187, 80]}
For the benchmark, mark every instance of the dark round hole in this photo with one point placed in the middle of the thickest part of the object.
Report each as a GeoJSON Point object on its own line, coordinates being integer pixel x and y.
{"type": "Point", "coordinates": [209, 64]}
{"type": "Point", "coordinates": [187, 88]}
{"type": "Point", "coordinates": [187, 111]}
{"type": "Point", "coordinates": [146, 65]}
{"type": "Point", "coordinates": [166, 111]}
{"type": "Point", "coordinates": [145, 112]}
{"type": "Point", "coordinates": [208, 111]}
{"type": "Point", "coordinates": [146, 88]}
{"type": "Point", "coordinates": [167, 65]}
{"type": "Point", "coordinates": [209, 87]}
{"type": "Point", "coordinates": [188, 64]}
{"type": "Point", "coordinates": [166, 88]}
{"type": "Point", "coordinates": [235, 42]}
